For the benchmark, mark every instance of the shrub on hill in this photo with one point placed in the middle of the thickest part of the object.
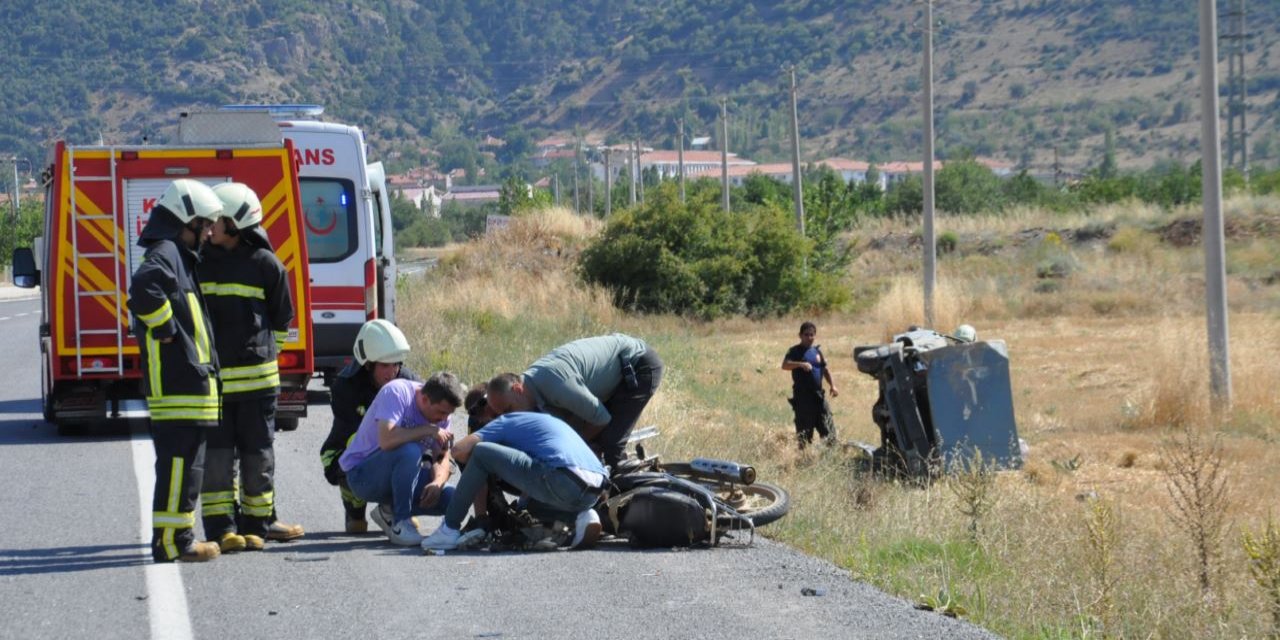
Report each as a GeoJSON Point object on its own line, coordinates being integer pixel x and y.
{"type": "Point", "coordinates": [695, 259]}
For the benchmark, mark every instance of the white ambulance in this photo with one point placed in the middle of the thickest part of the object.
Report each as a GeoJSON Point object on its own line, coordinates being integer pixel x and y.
{"type": "Point", "coordinates": [348, 227]}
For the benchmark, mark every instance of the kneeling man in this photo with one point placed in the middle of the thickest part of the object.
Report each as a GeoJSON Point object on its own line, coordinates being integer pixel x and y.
{"type": "Point", "coordinates": [541, 456]}
{"type": "Point", "coordinates": [399, 456]}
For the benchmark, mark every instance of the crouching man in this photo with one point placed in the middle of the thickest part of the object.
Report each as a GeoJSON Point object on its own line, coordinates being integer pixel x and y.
{"type": "Point", "coordinates": [541, 456]}
{"type": "Point", "coordinates": [399, 456]}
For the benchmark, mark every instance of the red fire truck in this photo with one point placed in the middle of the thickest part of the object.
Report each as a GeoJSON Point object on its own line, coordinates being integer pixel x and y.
{"type": "Point", "coordinates": [98, 198]}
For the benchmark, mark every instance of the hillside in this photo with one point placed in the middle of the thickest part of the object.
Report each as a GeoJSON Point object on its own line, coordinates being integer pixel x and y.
{"type": "Point", "coordinates": [1015, 80]}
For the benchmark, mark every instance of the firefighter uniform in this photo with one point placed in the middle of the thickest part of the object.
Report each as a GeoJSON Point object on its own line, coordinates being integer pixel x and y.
{"type": "Point", "coordinates": [352, 392]}
{"type": "Point", "coordinates": [179, 378]}
{"type": "Point", "coordinates": [250, 308]}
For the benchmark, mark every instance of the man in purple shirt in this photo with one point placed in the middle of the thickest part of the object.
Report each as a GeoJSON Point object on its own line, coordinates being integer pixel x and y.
{"type": "Point", "coordinates": [399, 456]}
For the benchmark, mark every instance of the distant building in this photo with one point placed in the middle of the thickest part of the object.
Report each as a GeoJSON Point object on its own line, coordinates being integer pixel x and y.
{"type": "Point", "coordinates": [700, 142]}
{"type": "Point", "coordinates": [848, 170]}
{"type": "Point", "coordinates": [667, 163]}
{"type": "Point", "coordinates": [472, 195]}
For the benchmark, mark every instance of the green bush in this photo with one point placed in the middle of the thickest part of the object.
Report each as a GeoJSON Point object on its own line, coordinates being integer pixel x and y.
{"type": "Point", "coordinates": [697, 260]}
{"type": "Point", "coordinates": [22, 232]}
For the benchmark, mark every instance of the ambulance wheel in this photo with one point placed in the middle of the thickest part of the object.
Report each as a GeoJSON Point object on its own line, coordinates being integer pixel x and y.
{"type": "Point", "coordinates": [286, 424]}
{"type": "Point", "coordinates": [46, 393]}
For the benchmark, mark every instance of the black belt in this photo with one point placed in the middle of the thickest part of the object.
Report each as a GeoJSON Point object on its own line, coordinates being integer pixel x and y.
{"type": "Point", "coordinates": [577, 479]}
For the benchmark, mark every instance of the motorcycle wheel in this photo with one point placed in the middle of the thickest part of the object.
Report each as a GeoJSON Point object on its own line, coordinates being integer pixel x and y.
{"type": "Point", "coordinates": [761, 501]}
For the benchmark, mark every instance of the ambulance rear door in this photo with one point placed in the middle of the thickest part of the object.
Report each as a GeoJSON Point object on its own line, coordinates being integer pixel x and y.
{"type": "Point", "coordinates": [337, 208]}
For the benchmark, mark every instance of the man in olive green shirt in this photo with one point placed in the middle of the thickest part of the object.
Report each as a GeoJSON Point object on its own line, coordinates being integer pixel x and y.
{"type": "Point", "coordinates": [598, 385]}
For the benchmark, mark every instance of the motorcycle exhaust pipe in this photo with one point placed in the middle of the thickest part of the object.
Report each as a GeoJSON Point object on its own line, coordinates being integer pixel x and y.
{"type": "Point", "coordinates": [724, 468]}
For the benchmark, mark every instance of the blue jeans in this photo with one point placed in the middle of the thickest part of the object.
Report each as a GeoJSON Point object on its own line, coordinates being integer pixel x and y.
{"type": "Point", "coordinates": [552, 493]}
{"type": "Point", "coordinates": [397, 477]}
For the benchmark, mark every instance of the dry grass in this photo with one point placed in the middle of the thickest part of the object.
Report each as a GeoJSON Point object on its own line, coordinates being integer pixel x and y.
{"type": "Point", "coordinates": [1103, 370]}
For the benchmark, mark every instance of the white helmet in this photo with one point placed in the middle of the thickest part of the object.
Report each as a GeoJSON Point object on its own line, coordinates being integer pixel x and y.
{"type": "Point", "coordinates": [239, 203]}
{"type": "Point", "coordinates": [189, 199]}
{"type": "Point", "coordinates": [966, 333]}
{"type": "Point", "coordinates": [380, 341]}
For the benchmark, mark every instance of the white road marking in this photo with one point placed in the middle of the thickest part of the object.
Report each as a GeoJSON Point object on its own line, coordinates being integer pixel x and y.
{"type": "Point", "coordinates": [4, 318]}
{"type": "Point", "coordinates": [166, 597]}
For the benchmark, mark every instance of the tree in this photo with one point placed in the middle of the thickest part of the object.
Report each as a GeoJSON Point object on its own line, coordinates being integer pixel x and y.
{"type": "Point", "coordinates": [964, 186]}
{"type": "Point", "coordinates": [695, 259]}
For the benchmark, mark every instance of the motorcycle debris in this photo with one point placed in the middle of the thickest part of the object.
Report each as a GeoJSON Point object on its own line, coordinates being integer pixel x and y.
{"type": "Point", "coordinates": [810, 591]}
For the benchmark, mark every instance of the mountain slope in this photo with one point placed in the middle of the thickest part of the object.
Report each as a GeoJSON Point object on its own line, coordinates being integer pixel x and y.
{"type": "Point", "coordinates": [1016, 79]}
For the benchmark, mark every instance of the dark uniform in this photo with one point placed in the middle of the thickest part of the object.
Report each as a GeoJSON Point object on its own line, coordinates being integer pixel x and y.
{"type": "Point", "coordinates": [808, 399]}
{"type": "Point", "coordinates": [179, 377]}
{"type": "Point", "coordinates": [350, 396]}
{"type": "Point", "coordinates": [249, 303]}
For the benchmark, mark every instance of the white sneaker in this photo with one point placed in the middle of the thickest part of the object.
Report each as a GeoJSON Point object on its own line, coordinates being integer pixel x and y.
{"type": "Point", "coordinates": [586, 530]}
{"type": "Point", "coordinates": [382, 515]}
{"type": "Point", "coordinates": [443, 538]}
{"type": "Point", "coordinates": [404, 533]}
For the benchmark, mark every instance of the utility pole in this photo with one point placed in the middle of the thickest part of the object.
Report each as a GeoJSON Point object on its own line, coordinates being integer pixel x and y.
{"type": "Point", "coordinates": [1215, 273]}
{"type": "Point", "coordinates": [576, 209]}
{"type": "Point", "coordinates": [1057, 169]}
{"type": "Point", "coordinates": [680, 159]}
{"type": "Point", "coordinates": [1237, 130]}
{"type": "Point", "coordinates": [608, 185]}
{"type": "Point", "coordinates": [640, 171]}
{"type": "Point", "coordinates": [797, 188]}
{"type": "Point", "coordinates": [591, 178]}
{"type": "Point", "coordinates": [555, 182]}
{"type": "Point", "coordinates": [631, 169]}
{"type": "Point", "coordinates": [16, 188]}
{"type": "Point", "coordinates": [930, 242]}
{"type": "Point", "coordinates": [724, 153]}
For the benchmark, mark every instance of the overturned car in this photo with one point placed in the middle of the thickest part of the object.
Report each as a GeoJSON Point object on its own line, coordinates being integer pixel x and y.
{"type": "Point", "coordinates": [943, 400]}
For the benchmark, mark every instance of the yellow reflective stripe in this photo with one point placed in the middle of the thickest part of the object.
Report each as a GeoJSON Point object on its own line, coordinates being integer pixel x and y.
{"type": "Point", "coordinates": [227, 509]}
{"type": "Point", "coordinates": [329, 455]}
{"type": "Point", "coordinates": [250, 371]}
{"type": "Point", "coordinates": [241, 386]}
{"type": "Point", "coordinates": [164, 401]}
{"type": "Point", "coordinates": [218, 496]}
{"type": "Point", "coordinates": [281, 337]}
{"type": "Point", "coordinates": [157, 317]}
{"type": "Point", "coordinates": [259, 512]}
{"type": "Point", "coordinates": [260, 506]}
{"type": "Point", "coordinates": [202, 338]}
{"type": "Point", "coordinates": [210, 415]}
{"type": "Point", "coordinates": [232, 289]}
{"type": "Point", "coordinates": [175, 484]}
{"type": "Point", "coordinates": [153, 364]}
{"type": "Point", "coordinates": [349, 496]}
{"type": "Point", "coordinates": [173, 519]}
{"type": "Point", "coordinates": [264, 500]}
{"type": "Point", "coordinates": [170, 549]}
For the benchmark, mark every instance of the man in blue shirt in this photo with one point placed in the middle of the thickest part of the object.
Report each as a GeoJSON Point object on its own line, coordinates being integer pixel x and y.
{"type": "Point", "coordinates": [539, 455]}
{"type": "Point", "coordinates": [808, 369]}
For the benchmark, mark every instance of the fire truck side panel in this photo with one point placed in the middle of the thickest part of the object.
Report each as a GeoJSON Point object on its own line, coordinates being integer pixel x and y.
{"type": "Point", "coordinates": [99, 200]}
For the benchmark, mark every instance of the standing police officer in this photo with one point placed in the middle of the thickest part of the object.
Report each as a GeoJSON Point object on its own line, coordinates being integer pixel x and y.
{"type": "Point", "coordinates": [177, 360]}
{"type": "Point", "coordinates": [379, 351]}
{"type": "Point", "coordinates": [247, 290]}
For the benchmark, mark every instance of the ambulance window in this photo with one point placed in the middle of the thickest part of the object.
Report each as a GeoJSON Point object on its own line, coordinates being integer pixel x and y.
{"type": "Point", "coordinates": [329, 208]}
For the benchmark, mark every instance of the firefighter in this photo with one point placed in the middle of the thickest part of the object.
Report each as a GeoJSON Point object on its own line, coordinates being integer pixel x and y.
{"type": "Point", "coordinates": [379, 350]}
{"type": "Point", "coordinates": [250, 308]}
{"type": "Point", "coordinates": [177, 355]}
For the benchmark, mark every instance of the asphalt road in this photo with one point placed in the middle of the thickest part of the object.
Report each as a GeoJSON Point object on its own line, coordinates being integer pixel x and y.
{"type": "Point", "coordinates": [74, 561]}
